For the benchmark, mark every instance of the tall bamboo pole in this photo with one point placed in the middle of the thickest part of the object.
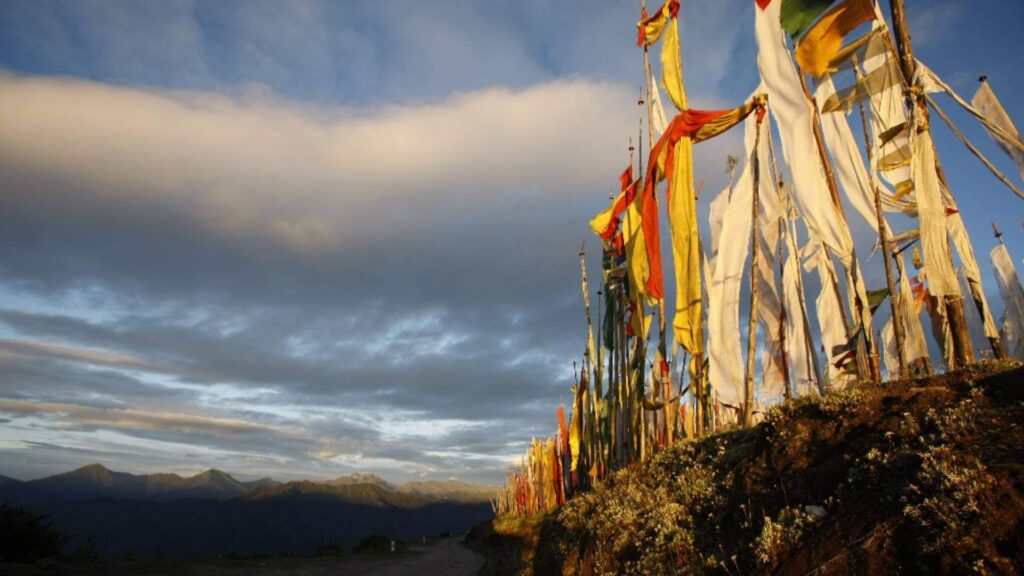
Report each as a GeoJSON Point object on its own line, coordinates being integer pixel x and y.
{"type": "Point", "coordinates": [865, 365]}
{"type": "Point", "coordinates": [812, 354]}
{"type": "Point", "coordinates": [784, 315]}
{"type": "Point", "coordinates": [747, 409]}
{"type": "Point", "coordinates": [637, 414]}
{"type": "Point", "coordinates": [590, 369]}
{"type": "Point", "coordinates": [663, 387]}
{"type": "Point", "coordinates": [954, 304]}
{"type": "Point", "coordinates": [591, 354]}
{"type": "Point", "coordinates": [786, 200]}
{"type": "Point", "coordinates": [883, 238]}
{"type": "Point", "coordinates": [995, 343]}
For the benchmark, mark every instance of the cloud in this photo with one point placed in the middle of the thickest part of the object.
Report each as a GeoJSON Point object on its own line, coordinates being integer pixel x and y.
{"type": "Point", "coordinates": [71, 353]}
{"type": "Point", "coordinates": [133, 419]}
{"type": "Point", "coordinates": [353, 223]}
{"type": "Point", "coordinates": [260, 258]}
{"type": "Point", "coordinates": [355, 52]}
{"type": "Point", "coordinates": [308, 178]}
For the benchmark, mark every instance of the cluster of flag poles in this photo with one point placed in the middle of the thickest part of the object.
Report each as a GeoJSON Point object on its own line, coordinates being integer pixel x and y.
{"type": "Point", "coordinates": [631, 399]}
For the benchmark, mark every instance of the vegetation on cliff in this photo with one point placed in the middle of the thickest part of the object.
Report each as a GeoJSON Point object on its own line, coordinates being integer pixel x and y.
{"type": "Point", "coordinates": [923, 476]}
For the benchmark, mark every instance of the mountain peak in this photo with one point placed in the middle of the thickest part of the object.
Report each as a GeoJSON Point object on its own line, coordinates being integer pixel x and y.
{"type": "Point", "coordinates": [94, 472]}
{"type": "Point", "coordinates": [214, 473]}
{"type": "Point", "coordinates": [360, 478]}
{"type": "Point", "coordinates": [93, 468]}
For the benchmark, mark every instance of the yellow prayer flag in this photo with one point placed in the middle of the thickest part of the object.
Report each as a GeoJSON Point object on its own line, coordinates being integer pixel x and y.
{"type": "Point", "coordinates": [682, 215]}
{"type": "Point", "coordinates": [663, 25]}
{"type": "Point", "coordinates": [822, 42]}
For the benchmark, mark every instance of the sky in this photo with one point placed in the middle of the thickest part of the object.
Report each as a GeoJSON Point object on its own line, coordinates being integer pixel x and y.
{"type": "Point", "coordinates": [302, 239]}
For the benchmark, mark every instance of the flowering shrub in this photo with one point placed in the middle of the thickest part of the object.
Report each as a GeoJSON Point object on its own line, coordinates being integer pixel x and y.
{"type": "Point", "coordinates": [778, 537]}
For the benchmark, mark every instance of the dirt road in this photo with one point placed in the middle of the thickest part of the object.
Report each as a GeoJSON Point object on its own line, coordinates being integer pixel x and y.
{"type": "Point", "coordinates": [445, 558]}
{"type": "Point", "coordinates": [448, 558]}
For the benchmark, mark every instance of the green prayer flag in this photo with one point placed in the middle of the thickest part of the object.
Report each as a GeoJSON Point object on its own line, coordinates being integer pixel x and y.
{"type": "Point", "coordinates": [610, 314]}
{"type": "Point", "coordinates": [876, 297]}
{"type": "Point", "coordinates": [798, 15]}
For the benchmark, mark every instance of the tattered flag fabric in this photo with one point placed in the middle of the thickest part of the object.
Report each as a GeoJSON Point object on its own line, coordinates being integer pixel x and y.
{"type": "Point", "coordinates": [972, 273]}
{"type": "Point", "coordinates": [875, 82]}
{"type": "Point", "coordinates": [794, 116]}
{"type": "Point", "coordinates": [659, 122]}
{"type": "Point", "coordinates": [942, 280]}
{"type": "Point", "coordinates": [889, 123]}
{"type": "Point", "coordinates": [916, 345]}
{"type": "Point", "coordinates": [725, 359]}
{"type": "Point", "coordinates": [890, 352]}
{"type": "Point", "coordinates": [800, 349]}
{"type": "Point", "coordinates": [990, 107]}
{"type": "Point", "coordinates": [769, 306]}
{"type": "Point", "coordinates": [1013, 297]}
{"type": "Point", "coordinates": [830, 315]}
{"type": "Point", "coordinates": [796, 16]}
{"type": "Point", "coordinates": [847, 160]}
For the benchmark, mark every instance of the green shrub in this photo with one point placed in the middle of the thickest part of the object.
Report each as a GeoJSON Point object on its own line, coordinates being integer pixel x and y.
{"type": "Point", "coordinates": [27, 537]}
{"type": "Point", "coordinates": [329, 549]}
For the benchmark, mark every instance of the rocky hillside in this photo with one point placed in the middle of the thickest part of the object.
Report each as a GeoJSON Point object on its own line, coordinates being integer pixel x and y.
{"type": "Point", "coordinates": [918, 477]}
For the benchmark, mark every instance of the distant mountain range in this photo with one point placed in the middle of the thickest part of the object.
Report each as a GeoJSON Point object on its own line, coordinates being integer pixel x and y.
{"type": "Point", "coordinates": [212, 513]}
{"type": "Point", "coordinates": [96, 481]}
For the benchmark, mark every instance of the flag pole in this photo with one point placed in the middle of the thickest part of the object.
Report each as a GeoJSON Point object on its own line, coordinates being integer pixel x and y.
{"type": "Point", "coordinates": [786, 199]}
{"type": "Point", "coordinates": [866, 364]}
{"type": "Point", "coordinates": [747, 410]}
{"type": "Point", "coordinates": [784, 315]}
{"type": "Point", "coordinates": [905, 51]}
{"type": "Point", "coordinates": [997, 233]}
{"type": "Point", "coordinates": [666, 387]}
{"type": "Point", "coordinates": [883, 238]}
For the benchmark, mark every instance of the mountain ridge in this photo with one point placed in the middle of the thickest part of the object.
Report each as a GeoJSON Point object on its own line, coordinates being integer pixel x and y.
{"type": "Point", "coordinates": [214, 514]}
{"type": "Point", "coordinates": [96, 481]}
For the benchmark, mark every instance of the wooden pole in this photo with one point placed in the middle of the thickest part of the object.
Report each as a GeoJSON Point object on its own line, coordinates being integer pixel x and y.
{"type": "Point", "coordinates": [784, 315]}
{"type": "Point", "coordinates": [591, 354]}
{"type": "Point", "coordinates": [995, 343]}
{"type": "Point", "coordinates": [954, 304]}
{"type": "Point", "coordinates": [812, 354]}
{"type": "Point", "coordinates": [663, 387]}
{"type": "Point", "coordinates": [786, 200]}
{"type": "Point", "coordinates": [747, 409]}
{"type": "Point", "coordinates": [637, 412]}
{"type": "Point", "coordinates": [865, 364]}
{"type": "Point", "coordinates": [883, 237]}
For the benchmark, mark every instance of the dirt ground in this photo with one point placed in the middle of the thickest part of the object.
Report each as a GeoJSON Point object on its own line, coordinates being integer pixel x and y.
{"type": "Point", "coordinates": [446, 558]}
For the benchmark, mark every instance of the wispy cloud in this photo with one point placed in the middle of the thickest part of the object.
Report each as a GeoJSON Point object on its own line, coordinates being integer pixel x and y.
{"type": "Point", "coordinates": [933, 22]}
{"type": "Point", "coordinates": [133, 419]}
